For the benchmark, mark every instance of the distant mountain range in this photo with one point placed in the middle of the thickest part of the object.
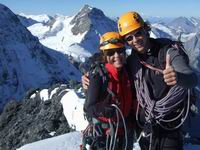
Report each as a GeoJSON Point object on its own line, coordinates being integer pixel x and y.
{"type": "Point", "coordinates": [28, 64]}
{"type": "Point", "coordinates": [73, 35]}
{"type": "Point", "coordinates": [78, 35]}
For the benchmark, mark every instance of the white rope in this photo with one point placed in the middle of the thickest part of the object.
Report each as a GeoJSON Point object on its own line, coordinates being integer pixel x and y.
{"type": "Point", "coordinates": [124, 124]}
{"type": "Point", "coordinates": [158, 110]}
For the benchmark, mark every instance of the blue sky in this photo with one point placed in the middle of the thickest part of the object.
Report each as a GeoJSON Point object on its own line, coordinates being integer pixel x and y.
{"type": "Point", "coordinates": [112, 8]}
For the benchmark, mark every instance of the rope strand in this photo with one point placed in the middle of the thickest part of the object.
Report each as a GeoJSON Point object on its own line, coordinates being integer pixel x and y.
{"type": "Point", "coordinates": [160, 110]}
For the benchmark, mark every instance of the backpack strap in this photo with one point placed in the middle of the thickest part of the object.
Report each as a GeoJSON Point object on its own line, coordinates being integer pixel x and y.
{"type": "Point", "coordinates": [99, 68]}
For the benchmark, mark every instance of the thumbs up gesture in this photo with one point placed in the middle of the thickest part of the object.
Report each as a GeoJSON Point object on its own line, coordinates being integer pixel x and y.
{"type": "Point", "coordinates": [169, 74]}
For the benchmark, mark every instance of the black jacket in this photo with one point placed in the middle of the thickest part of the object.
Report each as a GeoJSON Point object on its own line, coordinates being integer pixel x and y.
{"type": "Point", "coordinates": [156, 57]}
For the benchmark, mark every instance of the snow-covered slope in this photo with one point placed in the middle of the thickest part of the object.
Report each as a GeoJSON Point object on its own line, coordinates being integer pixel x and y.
{"type": "Point", "coordinates": [43, 18]}
{"type": "Point", "coordinates": [69, 141]}
{"type": "Point", "coordinates": [77, 35]}
{"type": "Point", "coordinates": [161, 30]}
{"type": "Point", "coordinates": [185, 25]}
{"type": "Point", "coordinates": [193, 50]}
{"type": "Point", "coordinates": [72, 141]}
{"type": "Point", "coordinates": [28, 20]}
{"type": "Point", "coordinates": [25, 63]}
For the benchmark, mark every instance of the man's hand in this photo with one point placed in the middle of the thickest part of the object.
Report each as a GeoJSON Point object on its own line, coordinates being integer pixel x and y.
{"type": "Point", "coordinates": [169, 74]}
{"type": "Point", "coordinates": [85, 81]}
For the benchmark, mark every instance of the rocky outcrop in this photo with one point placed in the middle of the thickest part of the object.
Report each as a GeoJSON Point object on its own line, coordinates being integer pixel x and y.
{"type": "Point", "coordinates": [94, 23]}
{"type": "Point", "coordinates": [33, 119]}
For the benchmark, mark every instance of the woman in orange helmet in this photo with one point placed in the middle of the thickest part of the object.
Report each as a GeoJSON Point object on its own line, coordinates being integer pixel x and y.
{"type": "Point", "coordinates": [113, 108]}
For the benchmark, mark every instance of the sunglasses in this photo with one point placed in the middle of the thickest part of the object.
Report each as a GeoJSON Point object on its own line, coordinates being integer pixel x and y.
{"type": "Point", "coordinates": [111, 41]}
{"type": "Point", "coordinates": [137, 34]}
{"type": "Point", "coordinates": [111, 52]}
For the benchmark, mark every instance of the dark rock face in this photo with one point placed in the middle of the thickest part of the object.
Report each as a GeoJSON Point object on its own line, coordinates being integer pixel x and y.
{"type": "Point", "coordinates": [25, 63]}
{"type": "Point", "coordinates": [32, 119]}
{"type": "Point", "coordinates": [82, 21]}
{"type": "Point", "coordinates": [93, 23]}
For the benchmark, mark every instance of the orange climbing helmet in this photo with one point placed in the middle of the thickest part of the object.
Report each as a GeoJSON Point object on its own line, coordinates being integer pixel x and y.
{"type": "Point", "coordinates": [111, 40]}
{"type": "Point", "coordinates": [129, 22]}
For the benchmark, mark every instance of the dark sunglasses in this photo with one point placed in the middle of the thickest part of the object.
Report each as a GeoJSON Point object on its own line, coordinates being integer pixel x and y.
{"type": "Point", "coordinates": [137, 34]}
{"type": "Point", "coordinates": [111, 41]}
{"type": "Point", "coordinates": [111, 52]}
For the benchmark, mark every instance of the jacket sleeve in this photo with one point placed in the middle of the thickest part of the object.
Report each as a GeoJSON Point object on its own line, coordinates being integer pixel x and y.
{"type": "Point", "coordinates": [95, 103]}
{"type": "Point", "coordinates": [185, 75]}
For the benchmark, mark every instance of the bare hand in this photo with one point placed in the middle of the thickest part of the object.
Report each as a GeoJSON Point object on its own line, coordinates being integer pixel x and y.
{"type": "Point", "coordinates": [169, 73]}
{"type": "Point", "coordinates": [85, 81]}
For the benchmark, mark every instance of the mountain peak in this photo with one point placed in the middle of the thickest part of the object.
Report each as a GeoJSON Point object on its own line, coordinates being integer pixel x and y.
{"type": "Point", "coordinates": [91, 11]}
{"type": "Point", "coordinates": [83, 19]}
{"type": "Point", "coordinates": [86, 8]}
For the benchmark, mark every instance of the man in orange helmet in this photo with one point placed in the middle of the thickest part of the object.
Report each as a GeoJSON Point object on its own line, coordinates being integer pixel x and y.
{"type": "Point", "coordinates": [162, 80]}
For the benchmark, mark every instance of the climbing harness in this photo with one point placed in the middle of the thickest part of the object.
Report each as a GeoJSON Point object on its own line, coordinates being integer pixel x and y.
{"type": "Point", "coordinates": [94, 134]}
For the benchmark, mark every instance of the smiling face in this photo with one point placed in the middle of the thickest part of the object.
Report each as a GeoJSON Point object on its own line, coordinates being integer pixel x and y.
{"type": "Point", "coordinates": [138, 40]}
{"type": "Point", "coordinates": [113, 48]}
{"type": "Point", "coordinates": [116, 57]}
